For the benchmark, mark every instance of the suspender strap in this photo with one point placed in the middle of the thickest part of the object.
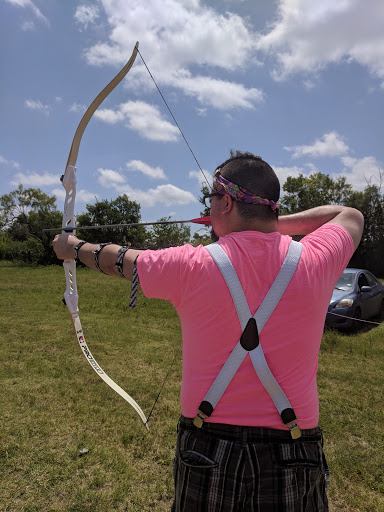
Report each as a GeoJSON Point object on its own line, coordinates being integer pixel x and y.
{"type": "Point", "coordinates": [249, 341]}
{"type": "Point", "coordinates": [233, 283]}
{"type": "Point", "coordinates": [274, 294]}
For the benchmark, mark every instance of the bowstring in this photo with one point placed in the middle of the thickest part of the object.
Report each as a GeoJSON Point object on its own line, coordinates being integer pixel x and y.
{"type": "Point", "coordinates": [174, 119]}
{"type": "Point", "coordinates": [209, 187]}
{"type": "Point", "coordinates": [166, 377]}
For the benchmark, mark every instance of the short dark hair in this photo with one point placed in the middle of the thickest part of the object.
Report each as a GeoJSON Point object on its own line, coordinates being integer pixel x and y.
{"type": "Point", "coordinates": [252, 173]}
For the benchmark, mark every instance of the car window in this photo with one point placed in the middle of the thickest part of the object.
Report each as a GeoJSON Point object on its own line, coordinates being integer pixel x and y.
{"type": "Point", "coordinates": [362, 281]}
{"type": "Point", "coordinates": [371, 279]}
{"type": "Point", "coordinates": [345, 281]}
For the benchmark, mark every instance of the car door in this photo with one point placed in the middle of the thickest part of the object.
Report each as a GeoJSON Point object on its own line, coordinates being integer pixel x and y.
{"type": "Point", "coordinates": [368, 307]}
{"type": "Point", "coordinates": [377, 295]}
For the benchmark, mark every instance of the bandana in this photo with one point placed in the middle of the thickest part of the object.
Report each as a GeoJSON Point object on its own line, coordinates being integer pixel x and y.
{"type": "Point", "coordinates": [223, 186]}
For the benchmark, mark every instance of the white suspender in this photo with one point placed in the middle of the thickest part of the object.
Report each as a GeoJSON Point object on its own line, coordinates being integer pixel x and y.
{"type": "Point", "coordinates": [249, 342]}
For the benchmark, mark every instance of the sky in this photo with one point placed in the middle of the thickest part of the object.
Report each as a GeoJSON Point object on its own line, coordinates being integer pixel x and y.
{"type": "Point", "coordinates": [298, 82]}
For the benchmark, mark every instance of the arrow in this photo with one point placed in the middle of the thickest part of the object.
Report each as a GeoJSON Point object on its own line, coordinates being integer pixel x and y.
{"type": "Point", "coordinates": [201, 220]}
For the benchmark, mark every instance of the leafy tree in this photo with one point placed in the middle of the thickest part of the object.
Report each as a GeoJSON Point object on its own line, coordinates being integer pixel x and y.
{"type": "Point", "coordinates": [370, 253]}
{"type": "Point", "coordinates": [168, 235]}
{"type": "Point", "coordinates": [24, 213]}
{"type": "Point", "coordinates": [318, 189]}
{"type": "Point", "coordinates": [118, 211]}
{"type": "Point", "coordinates": [5, 245]}
{"type": "Point", "coordinates": [204, 191]}
{"type": "Point", "coordinates": [201, 238]}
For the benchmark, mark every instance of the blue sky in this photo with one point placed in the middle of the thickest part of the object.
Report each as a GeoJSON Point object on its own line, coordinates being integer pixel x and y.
{"type": "Point", "coordinates": [299, 82]}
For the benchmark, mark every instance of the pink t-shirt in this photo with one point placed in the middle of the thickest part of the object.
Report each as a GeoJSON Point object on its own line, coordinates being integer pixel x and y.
{"type": "Point", "coordinates": [189, 278]}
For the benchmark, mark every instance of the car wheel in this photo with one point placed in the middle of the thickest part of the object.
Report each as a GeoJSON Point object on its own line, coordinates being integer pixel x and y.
{"type": "Point", "coordinates": [357, 316]}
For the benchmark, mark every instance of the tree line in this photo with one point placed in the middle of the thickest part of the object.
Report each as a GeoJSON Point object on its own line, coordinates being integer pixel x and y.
{"type": "Point", "coordinates": [25, 212]}
{"type": "Point", "coordinates": [319, 189]}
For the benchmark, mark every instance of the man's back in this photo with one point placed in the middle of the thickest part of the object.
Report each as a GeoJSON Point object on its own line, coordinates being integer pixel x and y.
{"type": "Point", "coordinates": [291, 338]}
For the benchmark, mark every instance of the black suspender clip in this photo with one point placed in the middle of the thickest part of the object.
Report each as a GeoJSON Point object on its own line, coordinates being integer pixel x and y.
{"type": "Point", "coordinates": [203, 412]}
{"type": "Point", "coordinates": [290, 421]}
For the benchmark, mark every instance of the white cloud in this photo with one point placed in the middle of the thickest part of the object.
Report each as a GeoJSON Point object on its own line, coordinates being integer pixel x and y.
{"type": "Point", "coordinates": [309, 84]}
{"type": "Point", "coordinates": [284, 172]}
{"type": "Point", "coordinates": [35, 179]}
{"type": "Point", "coordinates": [147, 170]}
{"type": "Point", "coordinates": [86, 14]}
{"type": "Point", "coordinates": [199, 178]}
{"type": "Point", "coordinates": [109, 178]}
{"type": "Point", "coordinates": [77, 107]}
{"type": "Point", "coordinates": [312, 167]}
{"type": "Point", "coordinates": [29, 4]}
{"type": "Point", "coordinates": [37, 105]}
{"type": "Point", "coordinates": [12, 163]}
{"type": "Point", "coordinates": [176, 37]}
{"type": "Point", "coordinates": [330, 144]}
{"type": "Point", "coordinates": [361, 171]}
{"type": "Point", "coordinates": [308, 35]}
{"type": "Point", "coordinates": [163, 194]}
{"type": "Point", "coordinates": [201, 112]}
{"type": "Point", "coordinates": [142, 118]}
{"type": "Point", "coordinates": [180, 33]}
{"type": "Point", "coordinates": [83, 196]}
{"type": "Point", "coordinates": [220, 94]}
{"type": "Point", "coordinates": [110, 116]}
{"type": "Point", "coordinates": [28, 26]}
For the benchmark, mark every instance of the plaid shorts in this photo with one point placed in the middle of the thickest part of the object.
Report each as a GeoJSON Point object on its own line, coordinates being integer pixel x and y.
{"type": "Point", "coordinates": [232, 468]}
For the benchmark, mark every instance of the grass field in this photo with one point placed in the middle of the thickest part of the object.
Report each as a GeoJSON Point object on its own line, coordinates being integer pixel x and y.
{"type": "Point", "coordinates": [53, 405]}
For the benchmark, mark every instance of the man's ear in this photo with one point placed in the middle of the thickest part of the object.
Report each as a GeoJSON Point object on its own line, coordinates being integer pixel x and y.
{"type": "Point", "coordinates": [229, 203]}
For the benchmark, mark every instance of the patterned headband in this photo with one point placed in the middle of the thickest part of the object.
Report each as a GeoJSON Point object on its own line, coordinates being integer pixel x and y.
{"type": "Point", "coordinates": [223, 186]}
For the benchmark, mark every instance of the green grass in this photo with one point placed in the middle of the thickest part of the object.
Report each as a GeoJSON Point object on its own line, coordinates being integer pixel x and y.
{"type": "Point", "coordinates": [350, 380]}
{"type": "Point", "coordinates": [53, 405]}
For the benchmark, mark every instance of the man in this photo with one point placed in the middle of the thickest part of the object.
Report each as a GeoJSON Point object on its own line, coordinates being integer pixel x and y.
{"type": "Point", "coordinates": [241, 453]}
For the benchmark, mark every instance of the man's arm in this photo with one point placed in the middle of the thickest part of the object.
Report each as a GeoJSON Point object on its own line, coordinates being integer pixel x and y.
{"type": "Point", "coordinates": [64, 247]}
{"type": "Point", "coordinates": [308, 221]}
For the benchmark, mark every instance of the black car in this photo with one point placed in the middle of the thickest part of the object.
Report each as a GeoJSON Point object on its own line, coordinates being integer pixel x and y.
{"type": "Point", "coordinates": [357, 295]}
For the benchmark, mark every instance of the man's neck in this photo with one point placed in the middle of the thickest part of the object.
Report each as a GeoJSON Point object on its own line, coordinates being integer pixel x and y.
{"type": "Point", "coordinates": [255, 225]}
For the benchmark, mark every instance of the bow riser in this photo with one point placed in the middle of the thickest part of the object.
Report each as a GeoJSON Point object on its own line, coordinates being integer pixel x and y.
{"type": "Point", "coordinates": [69, 183]}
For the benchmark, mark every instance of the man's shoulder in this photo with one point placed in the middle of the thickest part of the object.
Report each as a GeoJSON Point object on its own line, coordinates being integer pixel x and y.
{"type": "Point", "coordinates": [330, 244]}
{"type": "Point", "coordinates": [330, 230]}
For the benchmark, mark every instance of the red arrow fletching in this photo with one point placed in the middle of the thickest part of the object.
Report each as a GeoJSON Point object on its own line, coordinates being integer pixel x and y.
{"type": "Point", "coordinates": [202, 220]}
